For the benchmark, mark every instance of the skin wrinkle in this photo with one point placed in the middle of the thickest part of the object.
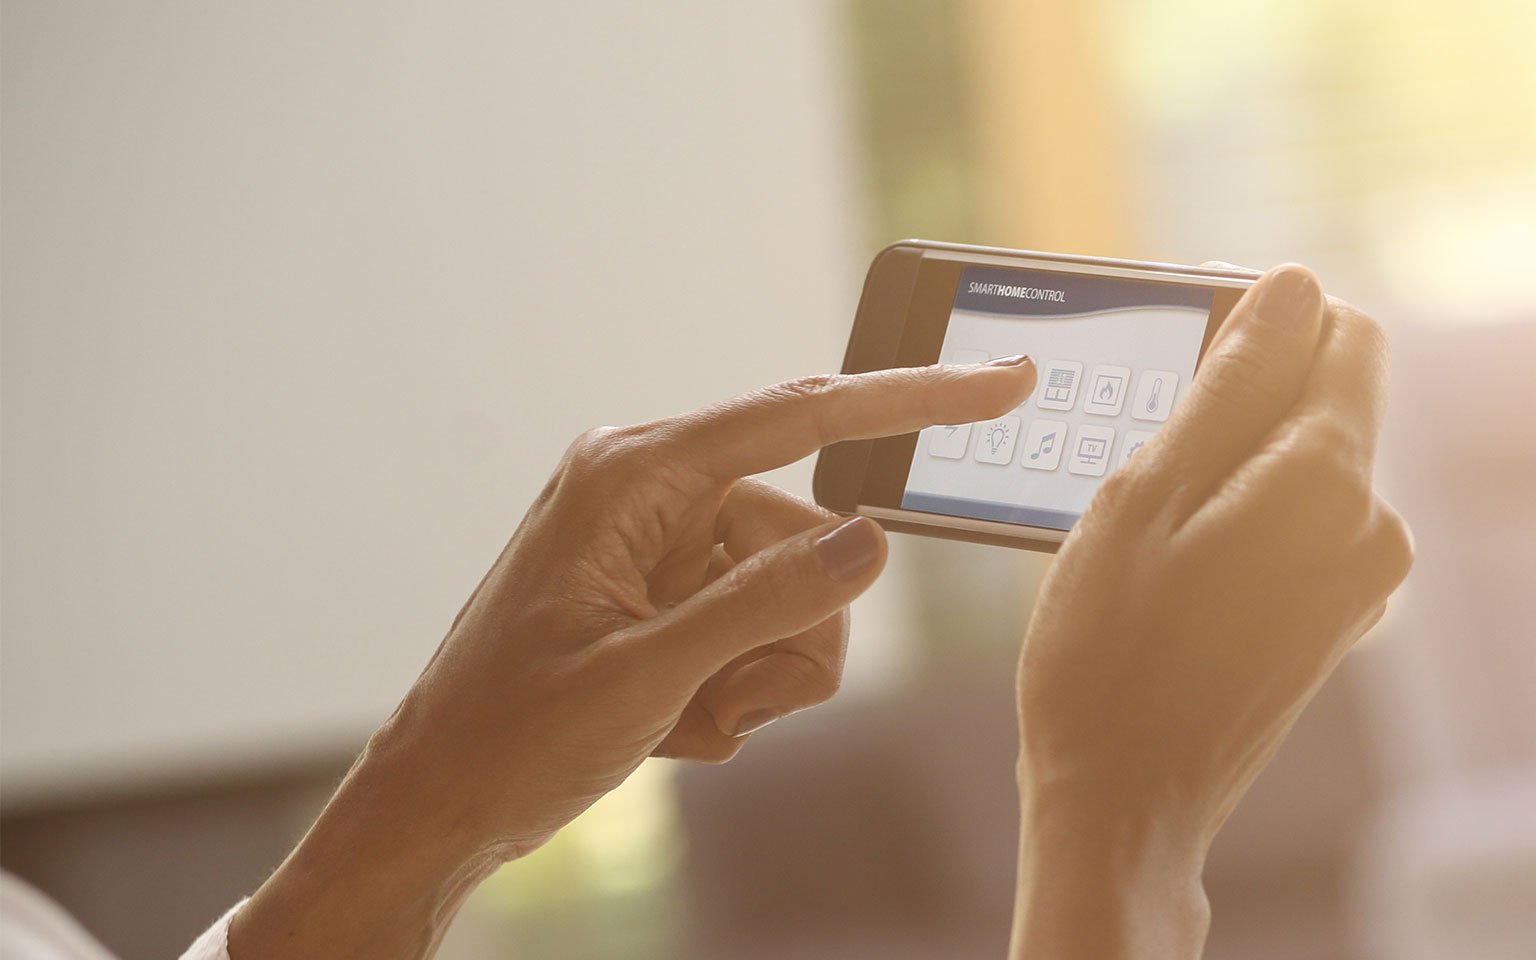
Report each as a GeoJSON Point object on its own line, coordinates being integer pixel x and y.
{"type": "Point", "coordinates": [652, 598]}
{"type": "Point", "coordinates": [1279, 544]}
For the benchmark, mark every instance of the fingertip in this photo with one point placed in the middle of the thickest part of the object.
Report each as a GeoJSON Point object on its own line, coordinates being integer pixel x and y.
{"type": "Point", "coordinates": [1293, 272]}
{"type": "Point", "coordinates": [853, 550]}
{"type": "Point", "coordinates": [1286, 302]}
{"type": "Point", "coordinates": [1029, 377]}
{"type": "Point", "coordinates": [753, 721]}
{"type": "Point", "coordinates": [1013, 378]}
{"type": "Point", "coordinates": [1020, 365]}
{"type": "Point", "coordinates": [1016, 360]}
{"type": "Point", "coordinates": [768, 689]}
{"type": "Point", "coordinates": [1250, 376]}
{"type": "Point", "coordinates": [1290, 266]}
{"type": "Point", "coordinates": [1027, 373]}
{"type": "Point", "coordinates": [1287, 293]}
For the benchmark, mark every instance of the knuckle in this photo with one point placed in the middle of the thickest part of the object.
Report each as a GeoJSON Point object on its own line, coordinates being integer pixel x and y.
{"type": "Point", "coordinates": [1391, 543]}
{"type": "Point", "coordinates": [1329, 451]}
{"type": "Point", "coordinates": [1326, 491]}
{"type": "Point", "coordinates": [1340, 506]}
{"type": "Point", "coordinates": [1125, 481]}
{"type": "Point", "coordinates": [807, 387]}
{"type": "Point", "coordinates": [1241, 379]}
{"type": "Point", "coordinates": [1117, 492]}
{"type": "Point", "coordinates": [589, 440]}
{"type": "Point", "coordinates": [804, 394]}
{"type": "Point", "coordinates": [1362, 328]}
{"type": "Point", "coordinates": [589, 445]}
{"type": "Point", "coordinates": [1293, 473]}
{"type": "Point", "coordinates": [776, 586]}
{"type": "Point", "coordinates": [814, 679]}
{"type": "Point", "coordinates": [1131, 493]}
{"type": "Point", "coordinates": [938, 390]}
{"type": "Point", "coordinates": [596, 452]}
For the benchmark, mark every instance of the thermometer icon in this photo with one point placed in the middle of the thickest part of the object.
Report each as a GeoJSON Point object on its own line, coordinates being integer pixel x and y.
{"type": "Point", "coordinates": [1154, 399]}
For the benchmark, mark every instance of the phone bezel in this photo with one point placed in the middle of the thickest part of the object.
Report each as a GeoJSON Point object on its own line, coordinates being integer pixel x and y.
{"type": "Point", "coordinates": [884, 336]}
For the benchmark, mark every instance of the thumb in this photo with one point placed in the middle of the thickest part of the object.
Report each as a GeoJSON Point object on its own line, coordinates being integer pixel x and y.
{"type": "Point", "coordinates": [1250, 378]}
{"type": "Point", "coordinates": [778, 592]}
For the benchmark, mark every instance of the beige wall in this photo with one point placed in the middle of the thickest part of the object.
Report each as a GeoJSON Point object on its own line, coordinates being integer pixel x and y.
{"type": "Point", "coordinates": [302, 301]}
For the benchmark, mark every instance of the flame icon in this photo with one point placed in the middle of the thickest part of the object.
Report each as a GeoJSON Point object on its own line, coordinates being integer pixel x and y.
{"type": "Point", "coordinates": [1108, 385]}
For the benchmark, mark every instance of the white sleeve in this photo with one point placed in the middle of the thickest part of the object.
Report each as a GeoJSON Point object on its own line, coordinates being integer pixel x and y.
{"type": "Point", "coordinates": [32, 927]}
{"type": "Point", "coordinates": [214, 943]}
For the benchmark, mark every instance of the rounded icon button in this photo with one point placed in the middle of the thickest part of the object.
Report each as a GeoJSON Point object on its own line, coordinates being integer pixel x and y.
{"type": "Point", "coordinates": [1057, 389]}
{"type": "Point", "coordinates": [1043, 445]}
{"type": "Point", "coordinates": [995, 440]}
{"type": "Point", "coordinates": [948, 442]}
{"type": "Point", "coordinates": [1106, 390]}
{"type": "Point", "coordinates": [1154, 395]}
{"type": "Point", "coordinates": [1089, 454]}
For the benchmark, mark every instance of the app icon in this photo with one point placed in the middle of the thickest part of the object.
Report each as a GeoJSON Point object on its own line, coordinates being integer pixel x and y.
{"type": "Point", "coordinates": [1043, 445]}
{"type": "Point", "coordinates": [1106, 390]}
{"type": "Point", "coordinates": [1154, 395]}
{"type": "Point", "coordinates": [995, 440]}
{"type": "Point", "coordinates": [1089, 453]}
{"type": "Point", "coordinates": [1134, 440]}
{"type": "Point", "coordinates": [1058, 385]}
{"type": "Point", "coordinates": [949, 441]}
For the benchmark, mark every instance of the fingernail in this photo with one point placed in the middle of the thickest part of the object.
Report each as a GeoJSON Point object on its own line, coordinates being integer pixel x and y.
{"type": "Point", "coordinates": [1016, 360]}
{"type": "Point", "coordinates": [1287, 292]}
{"type": "Point", "coordinates": [850, 549]}
{"type": "Point", "coordinates": [755, 720]}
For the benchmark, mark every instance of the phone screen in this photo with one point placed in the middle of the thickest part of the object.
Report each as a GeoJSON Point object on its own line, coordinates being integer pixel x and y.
{"type": "Point", "coordinates": [1115, 358]}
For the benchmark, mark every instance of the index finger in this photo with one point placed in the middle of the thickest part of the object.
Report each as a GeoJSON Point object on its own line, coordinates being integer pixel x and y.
{"type": "Point", "coordinates": [1312, 477]}
{"type": "Point", "coordinates": [1252, 376]}
{"type": "Point", "coordinates": [789, 421]}
{"type": "Point", "coordinates": [1345, 398]}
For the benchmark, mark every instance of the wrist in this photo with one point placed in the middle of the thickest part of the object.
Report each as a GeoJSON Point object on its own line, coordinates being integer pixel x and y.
{"type": "Point", "coordinates": [380, 873]}
{"type": "Point", "coordinates": [1099, 877]}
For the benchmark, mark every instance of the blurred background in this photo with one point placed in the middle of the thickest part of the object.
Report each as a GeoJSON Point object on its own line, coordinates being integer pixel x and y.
{"type": "Point", "coordinates": [302, 301]}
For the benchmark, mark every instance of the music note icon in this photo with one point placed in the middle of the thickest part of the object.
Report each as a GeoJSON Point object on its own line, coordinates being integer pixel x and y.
{"type": "Point", "coordinates": [1044, 443]}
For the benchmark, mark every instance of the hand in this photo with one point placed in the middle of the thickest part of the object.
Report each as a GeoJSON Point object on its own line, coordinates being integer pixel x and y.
{"type": "Point", "coordinates": [1210, 588]}
{"type": "Point", "coordinates": [652, 602]}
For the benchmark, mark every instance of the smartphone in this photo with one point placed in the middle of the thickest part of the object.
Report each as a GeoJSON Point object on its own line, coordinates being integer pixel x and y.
{"type": "Point", "coordinates": [1116, 343]}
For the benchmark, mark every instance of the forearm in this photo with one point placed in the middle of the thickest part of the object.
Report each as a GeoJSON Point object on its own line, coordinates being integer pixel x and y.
{"type": "Point", "coordinates": [1094, 882]}
{"type": "Point", "coordinates": [380, 874]}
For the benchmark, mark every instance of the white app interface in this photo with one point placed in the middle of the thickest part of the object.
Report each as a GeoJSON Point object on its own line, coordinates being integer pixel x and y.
{"type": "Point", "coordinates": [1114, 357]}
